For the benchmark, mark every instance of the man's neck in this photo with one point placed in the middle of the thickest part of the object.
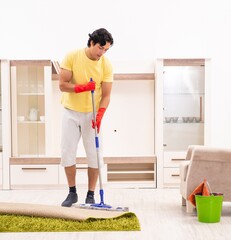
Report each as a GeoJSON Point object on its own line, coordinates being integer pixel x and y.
{"type": "Point", "coordinates": [88, 54]}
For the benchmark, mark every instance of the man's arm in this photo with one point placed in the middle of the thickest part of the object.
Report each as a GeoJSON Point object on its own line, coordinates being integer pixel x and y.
{"type": "Point", "coordinates": [106, 94]}
{"type": "Point", "coordinates": [66, 85]}
{"type": "Point", "coordinates": [105, 100]}
{"type": "Point", "coordinates": [65, 78]}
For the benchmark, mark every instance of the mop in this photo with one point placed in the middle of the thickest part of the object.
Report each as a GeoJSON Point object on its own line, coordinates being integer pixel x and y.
{"type": "Point", "coordinates": [101, 205]}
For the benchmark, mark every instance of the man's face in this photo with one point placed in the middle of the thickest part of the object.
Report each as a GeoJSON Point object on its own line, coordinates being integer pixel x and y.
{"type": "Point", "coordinates": [98, 51]}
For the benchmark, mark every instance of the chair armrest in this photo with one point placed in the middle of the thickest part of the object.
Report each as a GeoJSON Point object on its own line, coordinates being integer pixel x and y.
{"type": "Point", "coordinates": [183, 170]}
{"type": "Point", "coordinates": [183, 174]}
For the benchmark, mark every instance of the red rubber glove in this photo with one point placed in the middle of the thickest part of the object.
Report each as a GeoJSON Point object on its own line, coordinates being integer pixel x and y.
{"type": "Point", "coordinates": [99, 117]}
{"type": "Point", "coordinates": [90, 86]}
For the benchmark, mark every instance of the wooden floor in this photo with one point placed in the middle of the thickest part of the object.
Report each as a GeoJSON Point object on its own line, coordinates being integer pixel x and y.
{"type": "Point", "coordinates": [159, 211]}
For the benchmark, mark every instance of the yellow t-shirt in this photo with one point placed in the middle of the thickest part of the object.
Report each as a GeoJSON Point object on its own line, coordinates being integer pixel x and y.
{"type": "Point", "coordinates": [83, 69]}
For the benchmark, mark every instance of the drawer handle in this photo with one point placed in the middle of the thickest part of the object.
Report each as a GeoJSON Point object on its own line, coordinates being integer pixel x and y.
{"type": "Point", "coordinates": [175, 175]}
{"type": "Point", "coordinates": [25, 169]}
{"type": "Point", "coordinates": [178, 159]}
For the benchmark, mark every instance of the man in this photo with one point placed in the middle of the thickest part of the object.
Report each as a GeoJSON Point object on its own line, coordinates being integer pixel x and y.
{"type": "Point", "coordinates": [77, 68]}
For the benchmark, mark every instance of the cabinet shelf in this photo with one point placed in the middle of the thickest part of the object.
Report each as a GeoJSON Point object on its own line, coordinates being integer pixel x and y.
{"type": "Point", "coordinates": [184, 93]}
{"type": "Point", "coordinates": [184, 123]}
{"type": "Point", "coordinates": [31, 122]}
{"type": "Point", "coordinates": [132, 170]}
{"type": "Point", "coordinates": [31, 94]}
{"type": "Point", "coordinates": [130, 177]}
{"type": "Point", "coordinates": [129, 172]}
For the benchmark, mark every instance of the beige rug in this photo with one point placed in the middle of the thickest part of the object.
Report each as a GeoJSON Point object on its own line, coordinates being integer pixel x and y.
{"type": "Point", "coordinates": [39, 210]}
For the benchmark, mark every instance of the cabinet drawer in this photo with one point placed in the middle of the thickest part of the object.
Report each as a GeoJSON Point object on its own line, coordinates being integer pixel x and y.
{"type": "Point", "coordinates": [34, 174]}
{"type": "Point", "coordinates": [173, 159]}
{"type": "Point", "coordinates": [171, 176]}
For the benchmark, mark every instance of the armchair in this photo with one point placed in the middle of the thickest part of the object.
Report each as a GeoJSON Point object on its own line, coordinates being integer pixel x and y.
{"type": "Point", "coordinates": [212, 164]}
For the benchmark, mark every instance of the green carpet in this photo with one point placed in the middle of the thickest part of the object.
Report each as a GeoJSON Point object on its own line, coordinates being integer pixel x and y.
{"type": "Point", "coordinates": [17, 223]}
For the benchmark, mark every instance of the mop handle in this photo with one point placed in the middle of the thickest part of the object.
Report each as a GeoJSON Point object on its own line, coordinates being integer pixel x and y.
{"type": "Point", "coordinates": [96, 138]}
{"type": "Point", "coordinates": [94, 114]}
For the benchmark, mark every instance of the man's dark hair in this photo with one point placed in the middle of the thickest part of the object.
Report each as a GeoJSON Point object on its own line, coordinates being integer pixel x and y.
{"type": "Point", "coordinates": [100, 36]}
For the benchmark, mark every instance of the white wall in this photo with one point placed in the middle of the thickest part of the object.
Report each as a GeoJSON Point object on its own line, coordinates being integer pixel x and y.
{"type": "Point", "coordinates": [143, 30]}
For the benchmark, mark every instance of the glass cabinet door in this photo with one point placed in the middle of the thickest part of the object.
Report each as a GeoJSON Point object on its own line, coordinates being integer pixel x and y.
{"type": "Point", "coordinates": [183, 105]}
{"type": "Point", "coordinates": [28, 108]}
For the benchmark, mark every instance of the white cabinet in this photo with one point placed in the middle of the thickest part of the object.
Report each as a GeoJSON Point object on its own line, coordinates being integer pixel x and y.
{"type": "Point", "coordinates": [128, 131]}
{"type": "Point", "coordinates": [31, 139]}
{"type": "Point", "coordinates": [6, 122]}
{"type": "Point", "coordinates": [0, 170]}
{"type": "Point", "coordinates": [34, 128]}
{"type": "Point", "coordinates": [181, 112]}
{"type": "Point", "coordinates": [0, 128]}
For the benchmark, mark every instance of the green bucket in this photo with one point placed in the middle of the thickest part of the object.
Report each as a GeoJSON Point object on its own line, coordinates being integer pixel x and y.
{"type": "Point", "coordinates": [209, 208]}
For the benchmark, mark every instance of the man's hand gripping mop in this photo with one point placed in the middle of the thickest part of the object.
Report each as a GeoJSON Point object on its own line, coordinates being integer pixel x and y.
{"type": "Point", "coordinates": [101, 205]}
